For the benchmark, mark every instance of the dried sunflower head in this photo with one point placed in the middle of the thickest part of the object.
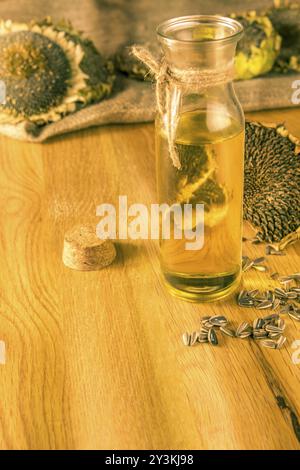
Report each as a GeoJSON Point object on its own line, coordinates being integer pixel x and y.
{"type": "Point", "coordinates": [272, 180]}
{"type": "Point", "coordinates": [285, 18]}
{"type": "Point", "coordinates": [130, 65]}
{"type": "Point", "coordinates": [258, 48]}
{"type": "Point", "coordinates": [48, 71]}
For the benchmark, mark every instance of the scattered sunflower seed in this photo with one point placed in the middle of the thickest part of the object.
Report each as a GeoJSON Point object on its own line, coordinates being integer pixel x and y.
{"type": "Point", "coordinates": [271, 251]}
{"type": "Point", "coordinates": [274, 276]}
{"type": "Point", "coordinates": [204, 319]}
{"type": "Point", "coordinates": [294, 315]}
{"type": "Point", "coordinates": [186, 338]}
{"type": "Point", "coordinates": [203, 339]}
{"type": "Point", "coordinates": [260, 267]}
{"type": "Point", "coordinates": [270, 318]}
{"type": "Point", "coordinates": [242, 328]}
{"type": "Point", "coordinates": [227, 331]}
{"type": "Point", "coordinates": [274, 335]}
{"type": "Point", "coordinates": [212, 337]}
{"type": "Point", "coordinates": [280, 342]}
{"type": "Point", "coordinates": [256, 242]}
{"type": "Point", "coordinates": [265, 304]}
{"type": "Point", "coordinates": [194, 338]}
{"type": "Point", "coordinates": [247, 264]}
{"type": "Point", "coordinates": [273, 329]}
{"type": "Point", "coordinates": [218, 320]}
{"type": "Point", "coordinates": [260, 333]}
{"type": "Point", "coordinates": [258, 323]}
{"type": "Point", "coordinates": [253, 293]}
{"type": "Point", "coordinates": [269, 343]}
{"type": "Point", "coordinates": [276, 304]}
{"type": "Point", "coordinates": [291, 295]}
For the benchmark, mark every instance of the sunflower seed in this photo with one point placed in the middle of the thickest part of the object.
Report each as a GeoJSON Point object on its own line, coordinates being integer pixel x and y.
{"type": "Point", "coordinates": [274, 335]}
{"type": "Point", "coordinates": [186, 339]}
{"type": "Point", "coordinates": [285, 279]}
{"type": "Point", "coordinates": [227, 331]}
{"type": "Point", "coordinates": [270, 318]}
{"type": "Point", "coordinates": [276, 304]}
{"type": "Point", "coordinates": [259, 260]}
{"type": "Point", "coordinates": [246, 303]}
{"type": "Point", "coordinates": [271, 251]}
{"type": "Point", "coordinates": [294, 316]}
{"type": "Point", "coordinates": [256, 242]}
{"type": "Point", "coordinates": [194, 338]}
{"type": "Point", "coordinates": [269, 343]}
{"type": "Point", "coordinates": [203, 339]}
{"type": "Point", "coordinates": [285, 309]}
{"type": "Point", "coordinates": [218, 320]}
{"type": "Point", "coordinates": [258, 323]}
{"type": "Point", "coordinates": [253, 293]}
{"type": "Point", "coordinates": [270, 295]}
{"type": "Point", "coordinates": [274, 276]}
{"type": "Point", "coordinates": [259, 333]}
{"type": "Point", "coordinates": [212, 337]}
{"type": "Point", "coordinates": [242, 294]}
{"type": "Point", "coordinates": [280, 293]}
{"type": "Point", "coordinates": [204, 329]}
{"type": "Point", "coordinates": [247, 264]}
{"type": "Point", "coordinates": [204, 319]}
{"type": "Point", "coordinates": [273, 329]}
{"type": "Point", "coordinates": [280, 342]}
{"type": "Point", "coordinates": [245, 334]}
{"type": "Point", "coordinates": [260, 267]}
{"type": "Point", "coordinates": [241, 328]}
{"type": "Point", "coordinates": [281, 324]}
{"type": "Point", "coordinates": [265, 304]}
{"type": "Point", "coordinates": [291, 295]}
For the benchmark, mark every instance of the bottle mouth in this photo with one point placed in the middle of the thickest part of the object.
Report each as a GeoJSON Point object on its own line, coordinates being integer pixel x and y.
{"type": "Point", "coordinates": [200, 29]}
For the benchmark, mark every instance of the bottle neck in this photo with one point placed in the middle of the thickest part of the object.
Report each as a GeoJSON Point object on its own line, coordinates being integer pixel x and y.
{"type": "Point", "coordinates": [206, 56]}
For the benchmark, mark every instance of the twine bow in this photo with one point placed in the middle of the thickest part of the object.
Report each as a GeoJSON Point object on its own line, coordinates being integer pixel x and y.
{"type": "Point", "coordinates": [171, 84]}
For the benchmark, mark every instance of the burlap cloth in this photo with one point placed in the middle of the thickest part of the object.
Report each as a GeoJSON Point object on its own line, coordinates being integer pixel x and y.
{"type": "Point", "coordinates": [112, 23]}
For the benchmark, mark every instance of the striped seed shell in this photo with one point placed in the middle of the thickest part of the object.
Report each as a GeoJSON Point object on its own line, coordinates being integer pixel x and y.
{"type": "Point", "coordinates": [258, 323]}
{"type": "Point", "coordinates": [212, 337]}
{"type": "Point", "coordinates": [186, 339]}
{"type": "Point", "coordinates": [270, 318]}
{"type": "Point", "coordinates": [260, 267]}
{"type": "Point", "coordinates": [242, 328]}
{"type": "Point", "coordinates": [259, 333]}
{"type": "Point", "coordinates": [294, 316]}
{"type": "Point", "coordinates": [265, 304]}
{"type": "Point", "coordinates": [280, 342]}
{"type": "Point", "coordinates": [227, 331]}
{"type": "Point", "coordinates": [218, 320]}
{"type": "Point", "coordinates": [269, 343]}
{"type": "Point", "coordinates": [194, 338]}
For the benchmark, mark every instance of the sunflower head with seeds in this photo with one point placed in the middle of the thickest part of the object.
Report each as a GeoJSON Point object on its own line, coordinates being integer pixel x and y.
{"type": "Point", "coordinates": [285, 17]}
{"type": "Point", "coordinates": [258, 48]}
{"type": "Point", "coordinates": [49, 70]}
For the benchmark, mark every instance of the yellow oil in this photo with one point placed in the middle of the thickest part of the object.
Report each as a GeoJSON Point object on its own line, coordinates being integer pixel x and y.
{"type": "Point", "coordinates": [212, 151]}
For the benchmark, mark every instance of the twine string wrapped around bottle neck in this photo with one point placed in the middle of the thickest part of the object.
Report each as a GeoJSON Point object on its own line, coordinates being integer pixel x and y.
{"type": "Point", "coordinates": [171, 84]}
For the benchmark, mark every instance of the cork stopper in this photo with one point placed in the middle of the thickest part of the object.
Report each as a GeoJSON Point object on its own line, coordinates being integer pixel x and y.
{"type": "Point", "coordinates": [84, 251]}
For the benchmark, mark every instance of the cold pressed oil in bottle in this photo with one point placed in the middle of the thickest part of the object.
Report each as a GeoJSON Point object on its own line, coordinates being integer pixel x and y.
{"type": "Point", "coordinates": [210, 147]}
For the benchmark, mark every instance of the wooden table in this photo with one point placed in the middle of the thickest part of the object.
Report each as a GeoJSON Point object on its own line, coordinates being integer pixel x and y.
{"type": "Point", "coordinates": [94, 360]}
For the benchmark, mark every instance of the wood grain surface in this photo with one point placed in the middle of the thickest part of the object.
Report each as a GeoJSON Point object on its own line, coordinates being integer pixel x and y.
{"type": "Point", "coordinates": [94, 360]}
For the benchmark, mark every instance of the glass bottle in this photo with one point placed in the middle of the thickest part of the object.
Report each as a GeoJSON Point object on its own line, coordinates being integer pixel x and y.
{"type": "Point", "coordinates": [206, 128]}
